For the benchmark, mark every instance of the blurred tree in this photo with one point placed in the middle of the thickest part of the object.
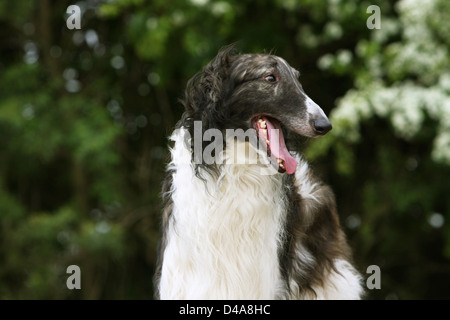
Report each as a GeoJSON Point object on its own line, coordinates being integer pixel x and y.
{"type": "Point", "coordinates": [391, 148]}
{"type": "Point", "coordinates": [84, 116]}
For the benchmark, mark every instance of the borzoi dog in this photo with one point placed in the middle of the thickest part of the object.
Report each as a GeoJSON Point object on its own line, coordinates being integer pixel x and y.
{"type": "Point", "coordinates": [244, 217]}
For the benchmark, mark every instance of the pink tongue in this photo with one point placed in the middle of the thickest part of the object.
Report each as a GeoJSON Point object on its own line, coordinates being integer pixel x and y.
{"type": "Point", "coordinates": [278, 147]}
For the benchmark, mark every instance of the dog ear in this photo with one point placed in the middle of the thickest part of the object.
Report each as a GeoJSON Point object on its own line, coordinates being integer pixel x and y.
{"type": "Point", "coordinates": [203, 100]}
{"type": "Point", "coordinates": [204, 91]}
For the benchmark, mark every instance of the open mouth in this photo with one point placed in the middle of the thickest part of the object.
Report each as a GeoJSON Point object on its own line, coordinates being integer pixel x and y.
{"type": "Point", "coordinates": [270, 134]}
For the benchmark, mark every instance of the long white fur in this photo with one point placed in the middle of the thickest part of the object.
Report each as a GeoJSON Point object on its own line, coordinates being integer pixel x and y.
{"type": "Point", "coordinates": [223, 239]}
{"type": "Point", "coordinates": [344, 285]}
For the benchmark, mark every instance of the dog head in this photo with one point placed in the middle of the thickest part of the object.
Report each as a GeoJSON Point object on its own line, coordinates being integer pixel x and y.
{"type": "Point", "coordinates": [265, 85]}
{"type": "Point", "coordinates": [259, 91]}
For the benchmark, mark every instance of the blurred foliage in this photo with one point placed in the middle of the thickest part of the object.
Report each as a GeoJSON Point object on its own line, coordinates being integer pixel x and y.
{"type": "Point", "coordinates": [84, 116]}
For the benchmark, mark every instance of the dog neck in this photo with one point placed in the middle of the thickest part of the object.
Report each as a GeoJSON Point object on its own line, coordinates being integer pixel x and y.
{"type": "Point", "coordinates": [225, 234]}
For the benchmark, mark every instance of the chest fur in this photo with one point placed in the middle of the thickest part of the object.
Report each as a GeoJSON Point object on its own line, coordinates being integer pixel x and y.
{"type": "Point", "coordinates": [224, 235]}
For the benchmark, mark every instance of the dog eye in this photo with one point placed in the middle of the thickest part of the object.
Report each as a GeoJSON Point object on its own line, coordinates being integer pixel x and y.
{"type": "Point", "coordinates": [270, 78]}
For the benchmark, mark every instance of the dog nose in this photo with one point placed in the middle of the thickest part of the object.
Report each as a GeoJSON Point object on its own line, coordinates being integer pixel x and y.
{"type": "Point", "coordinates": [322, 126]}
